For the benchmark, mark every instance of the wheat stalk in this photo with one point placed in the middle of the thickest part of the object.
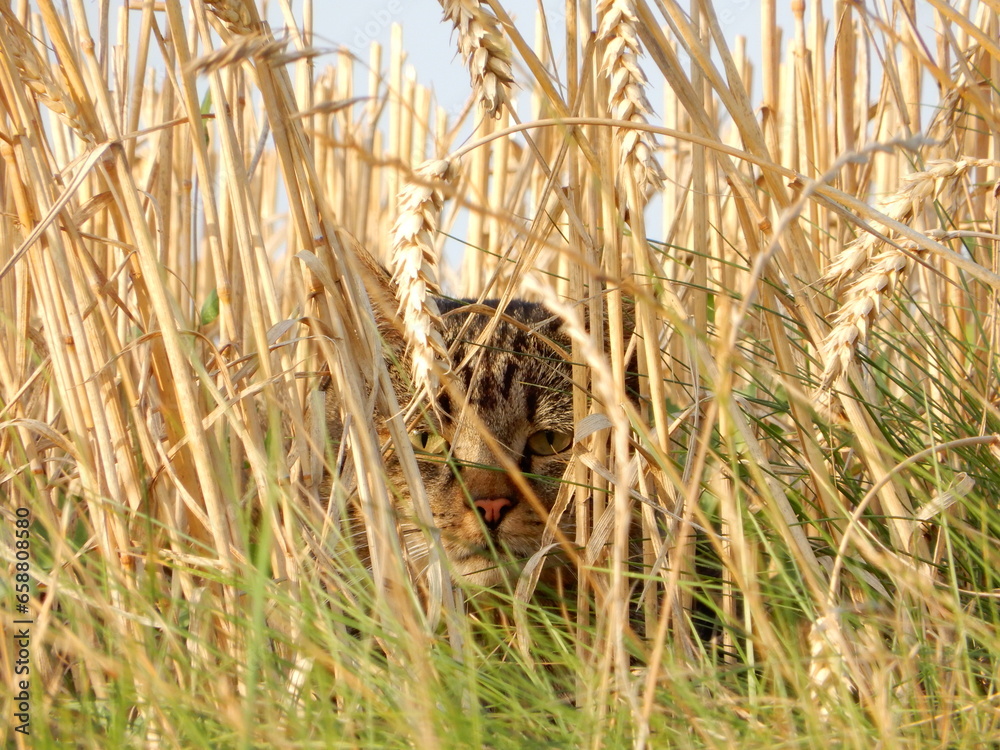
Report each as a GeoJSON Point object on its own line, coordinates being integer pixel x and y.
{"type": "Point", "coordinates": [627, 97]}
{"type": "Point", "coordinates": [414, 267]}
{"type": "Point", "coordinates": [482, 45]}
{"type": "Point", "coordinates": [871, 268]}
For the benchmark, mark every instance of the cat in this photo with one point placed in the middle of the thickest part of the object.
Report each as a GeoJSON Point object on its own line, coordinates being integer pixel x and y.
{"type": "Point", "coordinates": [517, 386]}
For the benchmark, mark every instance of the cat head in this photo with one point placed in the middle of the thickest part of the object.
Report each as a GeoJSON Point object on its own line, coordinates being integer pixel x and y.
{"type": "Point", "coordinates": [505, 410]}
{"type": "Point", "coordinates": [505, 414]}
{"type": "Point", "coordinates": [493, 446]}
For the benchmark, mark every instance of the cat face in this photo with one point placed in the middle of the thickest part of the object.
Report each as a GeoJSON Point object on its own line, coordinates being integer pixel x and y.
{"type": "Point", "coordinates": [515, 389]}
{"type": "Point", "coordinates": [509, 403]}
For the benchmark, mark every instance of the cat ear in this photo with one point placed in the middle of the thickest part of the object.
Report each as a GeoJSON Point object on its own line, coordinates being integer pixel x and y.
{"type": "Point", "coordinates": [628, 329]}
{"type": "Point", "coordinates": [382, 294]}
{"type": "Point", "coordinates": [628, 321]}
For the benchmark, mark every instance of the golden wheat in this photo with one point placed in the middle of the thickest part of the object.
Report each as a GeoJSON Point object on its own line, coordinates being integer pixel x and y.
{"type": "Point", "coordinates": [830, 663]}
{"type": "Point", "coordinates": [487, 56]}
{"type": "Point", "coordinates": [234, 14]}
{"type": "Point", "coordinates": [413, 262]}
{"type": "Point", "coordinates": [170, 292]}
{"type": "Point", "coordinates": [44, 81]}
{"type": "Point", "coordinates": [871, 267]}
{"type": "Point", "coordinates": [627, 95]}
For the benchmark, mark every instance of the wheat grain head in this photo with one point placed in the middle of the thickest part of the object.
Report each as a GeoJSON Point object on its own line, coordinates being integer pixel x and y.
{"type": "Point", "coordinates": [870, 268]}
{"type": "Point", "coordinates": [829, 658]}
{"type": "Point", "coordinates": [234, 15]}
{"type": "Point", "coordinates": [414, 267]}
{"type": "Point", "coordinates": [45, 82]}
{"type": "Point", "coordinates": [627, 97]}
{"type": "Point", "coordinates": [485, 51]}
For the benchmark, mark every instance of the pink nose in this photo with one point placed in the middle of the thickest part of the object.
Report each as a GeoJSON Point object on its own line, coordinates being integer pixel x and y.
{"type": "Point", "coordinates": [493, 509]}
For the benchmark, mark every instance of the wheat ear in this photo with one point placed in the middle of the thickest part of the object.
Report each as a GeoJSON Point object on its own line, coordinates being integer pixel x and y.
{"type": "Point", "coordinates": [44, 81]}
{"type": "Point", "coordinates": [627, 98]}
{"type": "Point", "coordinates": [233, 14]}
{"type": "Point", "coordinates": [870, 268]}
{"type": "Point", "coordinates": [414, 268]}
{"type": "Point", "coordinates": [482, 45]}
{"type": "Point", "coordinates": [829, 658]}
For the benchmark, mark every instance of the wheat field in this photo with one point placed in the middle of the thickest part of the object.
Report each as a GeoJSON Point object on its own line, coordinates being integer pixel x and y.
{"type": "Point", "coordinates": [788, 537]}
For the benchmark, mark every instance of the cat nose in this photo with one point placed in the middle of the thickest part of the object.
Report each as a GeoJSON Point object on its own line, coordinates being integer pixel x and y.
{"type": "Point", "coordinates": [493, 510]}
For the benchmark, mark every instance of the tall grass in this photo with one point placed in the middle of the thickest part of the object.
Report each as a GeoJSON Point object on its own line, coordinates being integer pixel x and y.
{"type": "Point", "coordinates": [789, 536]}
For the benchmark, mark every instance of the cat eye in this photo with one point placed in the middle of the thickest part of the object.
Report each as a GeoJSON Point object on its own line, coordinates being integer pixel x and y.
{"type": "Point", "coordinates": [549, 442]}
{"type": "Point", "coordinates": [428, 442]}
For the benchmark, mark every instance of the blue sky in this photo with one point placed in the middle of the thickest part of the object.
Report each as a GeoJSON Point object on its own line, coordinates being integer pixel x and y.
{"type": "Point", "coordinates": [431, 48]}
